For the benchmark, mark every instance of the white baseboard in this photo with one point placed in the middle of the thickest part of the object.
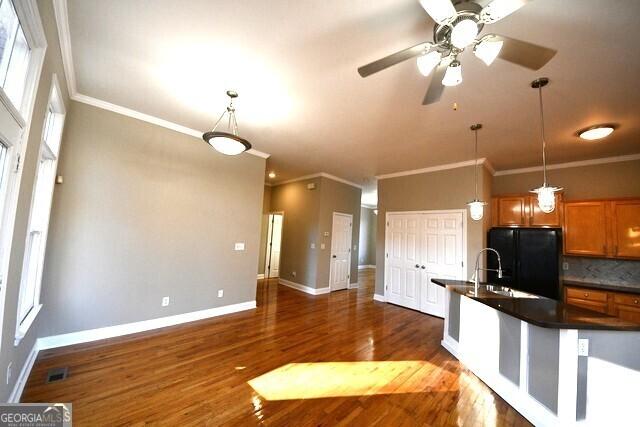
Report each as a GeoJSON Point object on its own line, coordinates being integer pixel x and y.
{"type": "Point", "coordinates": [352, 285]}
{"type": "Point", "coordinates": [450, 345]}
{"type": "Point", "coordinates": [135, 327]}
{"type": "Point", "coordinates": [21, 381]}
{"type": "Point", "coordinates": [365, 266]}
{"type": "Point", "coordinates": [260, 276]}
{"type": "Point", "coordinates": [378, 297]}
{"type": "Point", "coordinates": [303, 288]}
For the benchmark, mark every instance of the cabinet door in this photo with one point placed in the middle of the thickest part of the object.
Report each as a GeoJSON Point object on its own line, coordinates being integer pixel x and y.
{"type": "Point", "coordinates": [626, 228]}
{"type": "Point", "coordinates": [512, 211]}
{"type": "Point", "coordinates": [585, 228]}
{"type": "Point", "coordinates": [628, 312]}
{"type": "Point", "coordinates": [541, 219]}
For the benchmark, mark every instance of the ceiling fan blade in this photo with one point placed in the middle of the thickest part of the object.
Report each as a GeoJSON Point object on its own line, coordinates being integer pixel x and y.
{"type": "Point", "coordinates": [434, 93]}
{"type": "Point", "coordinates": [439, 10]}
{"type": "Point", "coordinates": [523, 53]}
{"type": "Point", "coordinates": [499, 9]}
{"type": "Point", "coordinates": [393, 59]}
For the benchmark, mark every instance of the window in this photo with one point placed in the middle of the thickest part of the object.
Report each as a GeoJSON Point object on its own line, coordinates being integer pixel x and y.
{"type": "Point", "coordinates": [14, 54]}
{"type": "Point", "coordinates": [29, 300]}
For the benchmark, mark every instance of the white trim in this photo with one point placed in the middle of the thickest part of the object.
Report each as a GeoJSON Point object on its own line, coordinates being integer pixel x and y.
{"type": "Point", "coordinates": [365, 266]}
{"type": "Point", "coordinates": [372, 207]}
{"type": "Point", "coordinates": [603, 160]}
{"type": "Point", "coordinates": [260, 276]}
{"type": "Point", "coordinates": [435, 168]}
{"type": "Point", "coordinates": [352, 285]}
{"type": "Point", "coordinates": [142, 326]}
{"type": "Point", "coordinates": [451, 345]}
{"type": "Point", "coordinates": [380, 298]}
{"type": "Point", "coordinates": [318, 175]}
{"type": "Point", "coordinates": [21, 381]}
{"type": "Point", "coordinates": [306, 289]}
{"type": "Point", "coordinates": [64, 36]}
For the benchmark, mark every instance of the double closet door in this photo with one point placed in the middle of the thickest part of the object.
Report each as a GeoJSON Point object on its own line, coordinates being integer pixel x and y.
{"type": "Point", "coordinates": [419, 247]}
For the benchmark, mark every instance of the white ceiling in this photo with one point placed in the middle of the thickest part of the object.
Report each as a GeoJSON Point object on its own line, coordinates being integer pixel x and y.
{"type": "Point", "coordinates": [301, 100]}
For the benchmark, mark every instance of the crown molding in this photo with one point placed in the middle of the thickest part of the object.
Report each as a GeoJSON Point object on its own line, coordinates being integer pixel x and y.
{"type": "Point", "coordinates": [482, 161]}
{"type": "Point", "coordinates": [368, 206]}
{"type": "Point", "coordinates": [64, 35]}
{"type": "Point", "coordinates": [318, 175]}
{"type": "Point", "coordinates": [603, 160]}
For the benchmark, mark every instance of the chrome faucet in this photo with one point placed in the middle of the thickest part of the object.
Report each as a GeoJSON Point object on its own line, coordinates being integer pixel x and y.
{"type": "Point", "coordinates": [477, 269]}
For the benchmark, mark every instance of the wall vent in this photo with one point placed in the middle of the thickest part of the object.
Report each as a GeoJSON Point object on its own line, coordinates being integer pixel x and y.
{"type": "Point", "coordinates": [57, 374]}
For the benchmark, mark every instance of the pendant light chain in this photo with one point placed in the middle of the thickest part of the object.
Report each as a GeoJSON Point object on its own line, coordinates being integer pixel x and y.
{"type": "Point", "coordinates": [544, 142]}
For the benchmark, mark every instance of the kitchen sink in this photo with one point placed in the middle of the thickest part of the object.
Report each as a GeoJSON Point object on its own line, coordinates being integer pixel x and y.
{"type": "Point", "coordinates": [509, 292]}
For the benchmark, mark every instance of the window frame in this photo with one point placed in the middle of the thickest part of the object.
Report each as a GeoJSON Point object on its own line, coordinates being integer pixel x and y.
{"type": "Point", "coordinates": [46, 153]}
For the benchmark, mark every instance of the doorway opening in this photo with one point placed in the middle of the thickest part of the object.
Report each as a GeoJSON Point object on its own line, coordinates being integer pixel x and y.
{"type": "Point", "coordinates": [274, 243]}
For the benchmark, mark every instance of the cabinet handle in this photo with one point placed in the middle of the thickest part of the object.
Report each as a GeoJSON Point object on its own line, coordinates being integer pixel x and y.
{"type": "Point", "coordinates": [635, 301]}
{"type": "Point", "coordinates": [586, 294]}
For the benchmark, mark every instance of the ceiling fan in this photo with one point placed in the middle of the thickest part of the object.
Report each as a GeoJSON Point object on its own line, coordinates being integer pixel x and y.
{"type": "Point", "coordinates": [458, 25]}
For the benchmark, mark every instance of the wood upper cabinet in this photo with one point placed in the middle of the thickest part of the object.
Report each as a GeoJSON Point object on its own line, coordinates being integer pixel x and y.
{"type": "Point", "coordinates": [585, 228]}
{"type": "Point", "coordinates": [602, 228]}
{"type": "Point", "coordinates": [512, 210]}
{"type": "Point", "coordinates": [625, 228]}
{"type": "Point", "coordinates": [523, 211]}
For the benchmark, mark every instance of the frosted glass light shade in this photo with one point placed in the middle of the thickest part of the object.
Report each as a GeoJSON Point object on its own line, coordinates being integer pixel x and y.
{"type": "Point", "coordinates": [427, 62]}
{"type": "Point", "coordinates": [453, 75]}
{"type": "Point", "coordinates": [440, 10]}
{"type": "Point", "coordinates": [476, 209]}
{"type": "Point", "coordinates": [546, 198]}
{"type": "Point", "coordinates": [226, 143]}
{"type": "Point", "coordinates": [488, 50]}
{"type": "Point", "coordinates": [596, 133]}
{"type": "Point", "coordinates": [464, 33]}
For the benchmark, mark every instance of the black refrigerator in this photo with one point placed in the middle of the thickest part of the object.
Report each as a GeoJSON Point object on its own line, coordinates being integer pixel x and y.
{"type": "Point", "coordinates": [530, 259]}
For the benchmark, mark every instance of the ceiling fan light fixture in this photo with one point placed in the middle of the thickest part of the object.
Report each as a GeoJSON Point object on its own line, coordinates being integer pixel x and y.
{"type": "Point", "coordinates": [596, 132]}
{"type": "Point", "coordinates": [440, 10]}
{"type": "Point", "coordinates": [453, 75]}
{"type": "Point", "coordinates": [498, 9]}
{"type": "Point", "coordinates": [488, 49]}
{"type": "Point", "coordinates": [464, 33]}
{"type": "Point", "coordinates": [427, 62]}
{"type": "Point", "coordinates": [228, 143]}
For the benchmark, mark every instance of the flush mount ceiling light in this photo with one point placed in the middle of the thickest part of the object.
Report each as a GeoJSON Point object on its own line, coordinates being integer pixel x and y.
{"type": "Point", "coordinates": [596, 132]}
{"type": "Point", "coordinates": [476, 207]}
{"type": "Point", "coordinates": [272, 174]}
{"type": "Point", "coordinates": [458, 25]}
{"type": "Point", "coordinates": [228, 143]}
{"type": "Point", "coordinates": [546, 194]}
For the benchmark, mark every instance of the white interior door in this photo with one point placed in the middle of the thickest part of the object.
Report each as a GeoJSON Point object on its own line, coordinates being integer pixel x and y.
{"type": "Point", "coordinates": [340, 267]}
{"type": "Point", "coordinates": [441, 256]}
{"type": "Point", "coordinates": [274, 238]}
{"type": "Point", "coordinates": [403, 253]}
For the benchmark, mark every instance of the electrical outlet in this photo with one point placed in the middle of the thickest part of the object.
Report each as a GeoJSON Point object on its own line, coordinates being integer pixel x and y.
{"type": "Point", "coordinates": [565, 266]}
{"type": "Point", "coordinates": [239, 246]}
{"type": "Point", "coordinates": [220, 293]}
{"type": "Point", "coordinates": [313, 246]}
{"type": "Point", "coordinates": [583, 347]}
{"type": "Point", "coordinates": [165, 301]}
{"type": "Point", "coordinates": [293, 273]}
{"type": "Point", "coordinates": [9, 372]}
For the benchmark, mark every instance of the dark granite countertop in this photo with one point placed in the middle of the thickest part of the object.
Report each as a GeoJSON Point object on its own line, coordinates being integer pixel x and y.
{"type": "Point", "coordinates": [591, 285]}
{"type": "Point", "coordinates": [540, 311]}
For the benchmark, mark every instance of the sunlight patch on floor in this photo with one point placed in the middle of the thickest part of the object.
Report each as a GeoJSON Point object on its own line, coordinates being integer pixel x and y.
{"type": "Point", "coordinates": [337, 379]}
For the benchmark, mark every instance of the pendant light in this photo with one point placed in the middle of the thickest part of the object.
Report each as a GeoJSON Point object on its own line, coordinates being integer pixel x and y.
{"type": "Point", "coordinates": [476, 207]}
{"type": "Point", "coordinates": [546, 194]}
{"type": "Point", "coordinates": [228, 143]}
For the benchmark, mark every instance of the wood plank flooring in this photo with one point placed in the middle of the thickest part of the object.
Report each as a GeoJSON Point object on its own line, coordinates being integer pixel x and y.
{"type": "Point", "coordinates": [335, 359]}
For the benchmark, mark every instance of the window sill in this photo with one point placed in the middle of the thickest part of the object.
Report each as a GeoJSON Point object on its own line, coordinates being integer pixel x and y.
{"type": "Point", "coordinates": [23, 328]}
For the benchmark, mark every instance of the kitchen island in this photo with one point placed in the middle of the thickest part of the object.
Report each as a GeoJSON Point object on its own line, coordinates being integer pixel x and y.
{"type": "Point", "coordinates": [554, 363]}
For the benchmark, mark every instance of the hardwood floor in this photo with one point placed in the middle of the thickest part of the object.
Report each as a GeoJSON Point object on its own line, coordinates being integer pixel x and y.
{"type": "Point", "coordinates": [387, 368]}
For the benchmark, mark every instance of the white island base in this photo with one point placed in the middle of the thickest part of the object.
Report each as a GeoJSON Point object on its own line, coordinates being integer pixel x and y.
{"type": "Point", "coordinates": [538, 371]}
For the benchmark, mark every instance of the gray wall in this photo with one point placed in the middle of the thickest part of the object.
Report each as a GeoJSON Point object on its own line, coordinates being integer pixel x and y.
{"type": "Point", "coordinates": [300, 228]}
{"type": "Point", "coordinates": [145, 212]}
{"type": "Point", "coordinates": [368, 224]}
{"type": "Point", "coordinates": [337, 197]}
{"type": "Point", "coordinates": [17, 355]}
{"type": "Point", "coordinates": [264, 228]}
{"type": "Point", "coordinates": [447, 189]}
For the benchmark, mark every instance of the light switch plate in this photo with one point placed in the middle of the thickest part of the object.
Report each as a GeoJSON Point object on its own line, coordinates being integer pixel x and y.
{"type": "Point", "coordinates": [326, 234]}
{"type": "Point", "coordinates": [322, 246]}
{"type": "Point", "coordinates": [220, 293]}
{"type": "Point", "coordinates": [239, 246]}
{"type": "Point", "coordinates": [165, 301]}
{"type": "Point", "coordinates": [565, 266]}
{"type": "Point", "coordinates": [583, 347]}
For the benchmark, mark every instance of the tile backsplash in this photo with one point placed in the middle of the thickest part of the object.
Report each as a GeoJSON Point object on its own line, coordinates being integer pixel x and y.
{"type": "Point", "coordinates": [602, 271]}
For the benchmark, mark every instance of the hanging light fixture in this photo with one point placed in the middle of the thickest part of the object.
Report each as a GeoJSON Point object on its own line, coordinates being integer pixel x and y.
{"type": "Point", "coordinates": [476, 207]}
{"type": "Point", "coordinates": [546, 194]}
{"type": "Point", "coordinates": [228, 143]}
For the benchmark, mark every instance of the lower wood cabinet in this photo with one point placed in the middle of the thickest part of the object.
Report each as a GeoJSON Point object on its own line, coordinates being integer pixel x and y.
{"type": "Point", "coordinates": [623, 305]}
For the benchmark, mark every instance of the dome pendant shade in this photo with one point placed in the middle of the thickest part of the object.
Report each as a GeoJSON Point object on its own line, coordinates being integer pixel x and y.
{"type": "Point", "coordinates": [476, 209]}
{"type": "Point", "coordinates": [228, 143]}
{"type": "Point", "coordinates": [546, 198]}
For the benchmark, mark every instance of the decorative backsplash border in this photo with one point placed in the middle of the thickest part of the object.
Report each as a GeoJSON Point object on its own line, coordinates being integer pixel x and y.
{"type": "Point", "coordinates": [602, 271]}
